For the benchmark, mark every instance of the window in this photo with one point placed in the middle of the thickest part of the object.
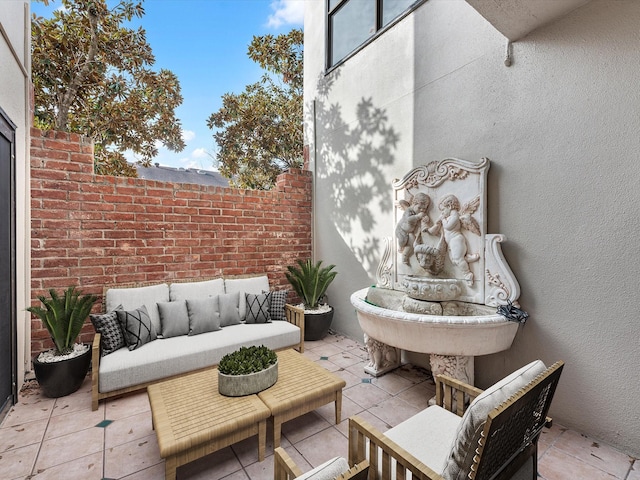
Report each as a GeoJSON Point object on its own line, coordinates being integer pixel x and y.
{"type": "Point", "coordinates": [352, 23]}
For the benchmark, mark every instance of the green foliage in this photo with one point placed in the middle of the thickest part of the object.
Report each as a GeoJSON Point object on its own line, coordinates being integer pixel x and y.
{"type": "Point", "coordinates": [93, 76]}
{"type": "Point", "coordinates": [310, 281]}
{"type": "Point", "coordinates": [64, 316]}
{"type": "Point", "coordinates": [247, 360]}
{"type": "Point", "coordinates": [260, 130]}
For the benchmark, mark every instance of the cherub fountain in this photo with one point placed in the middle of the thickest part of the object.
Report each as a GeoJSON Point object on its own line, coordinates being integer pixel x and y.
{"type": "Point", "coordinates": [441, 278]}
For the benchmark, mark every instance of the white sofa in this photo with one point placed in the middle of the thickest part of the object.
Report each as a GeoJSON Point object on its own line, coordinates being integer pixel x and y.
{"type": "Point", "coordinates": [175, 351]}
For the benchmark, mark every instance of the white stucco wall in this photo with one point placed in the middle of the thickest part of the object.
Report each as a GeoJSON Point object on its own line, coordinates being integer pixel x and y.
{"type": "Point", "coordinates": [14, 100]}
{"type": "Point", "coordinates": [561, 129]}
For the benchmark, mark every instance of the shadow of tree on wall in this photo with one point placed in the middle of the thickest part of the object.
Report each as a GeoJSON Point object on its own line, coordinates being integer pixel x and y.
{"type": "Point", "coordinates": [349, 166]}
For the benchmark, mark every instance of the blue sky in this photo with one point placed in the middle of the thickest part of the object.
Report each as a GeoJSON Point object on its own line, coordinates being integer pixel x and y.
{"type": "Point", "coordinates": [204, 42]}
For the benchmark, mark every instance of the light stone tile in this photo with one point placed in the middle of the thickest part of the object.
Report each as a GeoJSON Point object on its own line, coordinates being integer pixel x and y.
{"type": "Point", "coordinates": [344, 359]}
{"type": "Point", "coordinates": [304, 426]}
{"type": "Point", "coordinates": [18, 463]}
{"type": "Point", "coordinates": [247, 449]}
{"type": "Point", "coordinates": [366, 394]}
{"type": "Point", "coordinates": [66, 448]}
{"type": "Point", "coordinates": [74, 421]}
{"type": "Point", "coordinates": [152, 473]}
{"type": "Point", "coordinates": [323, 446]}
{"type": "Point", "coordinates": [78, 401]}
{"type": "Point", "coordinates": [39, 408]}
{"type": "Point", "coordinates": [128, 405]}
{"type": "Point", "coordinates": [557, 465]}
{"type": "Point", "coordinates": [393, 411]}
{"type": "Point", "coordinates": [131, 457]}
{"type": "Point", "coordinates": [418, 395]}
{"type": "Point", "coordinates": [22, 435]}
{"type": "Point", "coordinates": [349, 377]}
{"type": "Point", "coordinates": [548, 437]}
{"type": "Point", "coordinates": [128, 429]}
{"type": "Point", "coordinates": [349, 408]}
{"type": "Point", "coordinates": [261, 470]}
{"type": "Point", "coordinates": [634, 473]}
{"type": "Point", "coordinates": [327, 350]}
{"type": "Point", "coordinates": [392, 384]}
{"type": "Point", "coordinates": [86, 468]}
{"type": "Point", "coordinates": [594, 453]}
{"type": "Point", "coordinates": [216, 465]}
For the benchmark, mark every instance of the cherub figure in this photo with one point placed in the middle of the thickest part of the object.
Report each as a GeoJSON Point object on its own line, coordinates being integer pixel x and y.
{"type": "Point", "coordinates": [452, 220]}
{"type": "Point", "coordinates": [414, 219]}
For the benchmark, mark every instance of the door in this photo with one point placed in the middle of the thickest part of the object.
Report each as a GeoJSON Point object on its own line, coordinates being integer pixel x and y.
{"type": "Point", "coordinates": [8, 365]}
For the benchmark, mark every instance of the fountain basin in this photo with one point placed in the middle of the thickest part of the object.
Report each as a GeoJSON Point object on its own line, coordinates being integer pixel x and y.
{"type": "Point", "coordinates": [451, 335]}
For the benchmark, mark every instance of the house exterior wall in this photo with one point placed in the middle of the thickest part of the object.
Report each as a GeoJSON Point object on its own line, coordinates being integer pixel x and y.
{"type": "Point", "coordinates": [15, 94]}
{"type": "Point", "coordinates": [95, 231]}
{"type": "Point", "coordinates": [561, 129]}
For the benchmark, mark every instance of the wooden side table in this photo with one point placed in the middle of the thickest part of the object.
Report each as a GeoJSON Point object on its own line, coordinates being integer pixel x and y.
{"type": "Point", "coordinates": [302, 386]}
{"type": "Point", "coordinates": [192, 419]}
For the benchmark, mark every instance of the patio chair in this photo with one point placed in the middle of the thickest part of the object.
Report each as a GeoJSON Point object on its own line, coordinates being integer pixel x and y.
{"type": "Point", "coordinates": [335, 469]}
{"type": "Point", "coordinates": [496, 438]}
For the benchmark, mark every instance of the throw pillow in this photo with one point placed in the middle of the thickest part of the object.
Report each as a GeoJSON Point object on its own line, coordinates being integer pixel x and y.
{"type": "Point", "coordinates": [136, 327]}
{"type": "Point", "coordinates": [278, 301]}
{"type": "Point", "coordinates": [474, 418]}
{"type": "Point", "coordinates": [204, 315]}
{"type": "Point", "coordinates": [258, 308]}
{"type": "Point", "coordinates": [229, 309]}
{"type": "Point", "coordinates": [174, 318]}
{"type": "Point", "coordinates": [107, 325]}
{"type": "Point", "coordinates": [327, 471]}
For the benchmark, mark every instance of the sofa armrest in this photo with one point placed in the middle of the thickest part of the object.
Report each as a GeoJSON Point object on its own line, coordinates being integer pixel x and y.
{"type": "Point", "coordinates": [368, 443]}
{"type": "Point", "coordinates": [295, 316]}
{"type": "Point", "coordinates": [448, 387]}
{"type": "Point", "coordinates": [95, 369]}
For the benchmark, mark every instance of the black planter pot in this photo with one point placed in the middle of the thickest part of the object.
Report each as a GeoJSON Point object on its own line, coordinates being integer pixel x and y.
{"type": "Point", "coordinates": [58, 379]}
{"type": "Point", "coordinates": [316, 325]}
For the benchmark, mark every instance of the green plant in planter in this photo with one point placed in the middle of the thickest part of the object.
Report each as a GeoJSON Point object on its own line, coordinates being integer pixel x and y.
{"type": "Point", "coordinates": [310, 281]}
{"type": "Point", "coordinates": [247, 360]}
{"type": "Point", "coordinates": [63, 316]}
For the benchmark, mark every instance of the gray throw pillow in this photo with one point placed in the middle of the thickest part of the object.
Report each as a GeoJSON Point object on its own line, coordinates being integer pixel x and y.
{"type": "Point", "coordinates": [107, 325]}
{"type": "Point", "coordinates": [204, 315]}
{"type": "Point", "coordinates": [174, 318]}
{"type": "Point", "coordinates": [229, 309]}
{"type": "Point", "coordinates": [136, 327]}
{"type": "Point", "coordinates": [278, 301]}
{"type": "Point", "coordinates": [258, 308]}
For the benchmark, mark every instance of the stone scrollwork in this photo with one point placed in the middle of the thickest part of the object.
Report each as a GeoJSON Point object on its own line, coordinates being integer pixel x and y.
{"type": "Point", "coordinates": [384, 274]}
{"type": "Point", "coordinates": [436, 173]}
{"type": "Point", "coordinates": [501, 285]}
{"type": "Point", "coordinates": [382, 357]}
{"type": "Point", "coordinates": [458, 367]}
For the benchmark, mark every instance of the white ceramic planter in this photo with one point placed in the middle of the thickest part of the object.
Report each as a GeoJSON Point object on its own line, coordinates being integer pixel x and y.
{"type": "Point", "coordinates": [241, 385]}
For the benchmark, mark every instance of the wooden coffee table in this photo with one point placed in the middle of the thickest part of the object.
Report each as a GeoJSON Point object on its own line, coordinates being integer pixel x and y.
{"type": "Point", "coordinates": [302, 386]}
{"type": "Point", "coordinates": [192, 419]}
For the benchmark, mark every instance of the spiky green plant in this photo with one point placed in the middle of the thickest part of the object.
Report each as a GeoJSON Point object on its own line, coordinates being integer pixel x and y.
{"type": "Point", "coordinates": [310, 281]}
{"type": "Point", "coordinates": [64, 316]}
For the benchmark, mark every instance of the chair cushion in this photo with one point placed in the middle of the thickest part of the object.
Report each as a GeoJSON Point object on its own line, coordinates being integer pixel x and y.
{"type": "Point", "coordinates": [193, 290]}
{"type": "Point", "coordinates": [174, 318]}
{"type": "Point", "coordinates": [204, 315]}
{"type": "Point", "coordinates": [428, 436]}
{"type": "Point", "coordinates": [474, 419]}
{"type": "Point", "coordinates": [327, 471]}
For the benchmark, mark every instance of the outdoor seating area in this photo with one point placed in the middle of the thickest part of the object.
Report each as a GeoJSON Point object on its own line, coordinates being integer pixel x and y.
{"type": "Point", "coordinates": [50, 438]}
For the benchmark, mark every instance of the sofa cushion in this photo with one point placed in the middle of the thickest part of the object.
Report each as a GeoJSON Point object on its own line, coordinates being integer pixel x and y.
{"type": "Point", "coordinates": [258, 306]}
{"type": "Point", "coordinates": [193, 290]}
{"type": "Point", "coordinates": [132, 298]}
{"type": "Point", "coordinates": [136, 327]}
{"type": "Point", "coordinates": [229, 305]}
{"type": "Point", "coordinates": [428, 435]}
{"type": "Point", "coordinates": [178, 355]}
{"type": "Point", "coordinates": [174, 318]}
{"type": "Point", "coordinates": [108, 326]}
{"type": "Point", "coordinates": [327, 471]}
{"type": "Point", "coordinates": [253, 285]}
{"type": "Point", "coordinates": [278, 301]}
{"type": "Point", "coordinates": [474, 419]}
{"type": "Point", "coordinates": [204, 315]}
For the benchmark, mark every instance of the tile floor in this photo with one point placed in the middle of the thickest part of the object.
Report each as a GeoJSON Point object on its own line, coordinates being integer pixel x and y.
{"type": "Point", "coordinates": [44, 438]}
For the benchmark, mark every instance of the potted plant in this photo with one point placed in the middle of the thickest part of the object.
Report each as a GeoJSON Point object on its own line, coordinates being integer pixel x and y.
{"type": "Point", "coordinates": [247, 371]}
{"type": "Point", "coordinates": [61, 371]}
{"type": "Point", "coordinates": [310, 281]}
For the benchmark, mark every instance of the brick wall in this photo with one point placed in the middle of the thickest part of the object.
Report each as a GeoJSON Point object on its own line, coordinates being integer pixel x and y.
{"type": "Point", "coordinates": [93, 231]}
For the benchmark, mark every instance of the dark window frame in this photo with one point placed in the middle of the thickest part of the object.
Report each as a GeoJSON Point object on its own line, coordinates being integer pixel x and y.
{"type": "Point", "coordinates": [380, 29]}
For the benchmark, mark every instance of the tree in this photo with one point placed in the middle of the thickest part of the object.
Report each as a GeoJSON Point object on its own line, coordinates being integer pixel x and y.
{"type": "Point", "coordinates": [93, 76]}
{"type": "Point", "coordinates": [261, 128]}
